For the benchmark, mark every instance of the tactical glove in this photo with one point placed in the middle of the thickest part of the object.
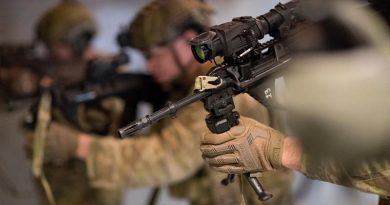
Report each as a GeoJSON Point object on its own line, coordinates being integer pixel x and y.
{"type": "Point", "coordinates": [247, 147]}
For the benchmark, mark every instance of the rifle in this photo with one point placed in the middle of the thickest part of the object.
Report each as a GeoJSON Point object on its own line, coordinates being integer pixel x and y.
{"type": "Point", "coordinates": [247, 64]}
{"type": "Point", "coordinates": [18, 55]}
{"type": "Point", "coordinates": [102, 80]}
{"type": "Point", "coordinates": [19, 60]}
{"type": "Point", "coordinates": [131, 88]}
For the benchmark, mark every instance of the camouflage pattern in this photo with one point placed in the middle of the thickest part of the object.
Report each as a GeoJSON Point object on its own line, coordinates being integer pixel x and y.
{"type": "Point", "coordinates": [169, 155]}
{"type": "Point", "coordinates": [162, 22]}
{"type": "Point", "coordinates": [69, 184]}
{"type": "Point", "coordinates": [67, 176]}
{"type": "Point", "coordinates": [371, 176]}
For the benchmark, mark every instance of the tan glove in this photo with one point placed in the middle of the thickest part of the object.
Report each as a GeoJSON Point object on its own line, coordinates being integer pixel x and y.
{"type": "Point", "coordinates": [247, 147]}
{"type": "Point", "coordinates": [61, 144]}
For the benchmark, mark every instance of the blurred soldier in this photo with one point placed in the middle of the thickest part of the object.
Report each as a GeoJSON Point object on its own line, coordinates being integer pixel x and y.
{"type": "Point", "coordinates": [342, 125]}
{"type": "Point", "coordinates": [169, 153]}
{"type": "Point", "coordinates": [66, 30]}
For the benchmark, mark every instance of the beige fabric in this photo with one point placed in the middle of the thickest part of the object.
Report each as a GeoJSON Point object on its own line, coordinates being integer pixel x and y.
{"type": "Point", "coordinates": [372, 176]}
{"type": "Point", "coordinates": [247, 147]}
{"type": "Point", "coordinates": [161, 157]}
{"type": "Point", "coordinates": [67, 175]}
{"type": "Point", "coordinates": [61, 144]}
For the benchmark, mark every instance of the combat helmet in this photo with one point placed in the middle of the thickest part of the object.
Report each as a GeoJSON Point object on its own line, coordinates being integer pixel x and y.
{"type": "Point", "coordinates": [161, 21]}
{"type": "Point", "coordinates": [68, 22]}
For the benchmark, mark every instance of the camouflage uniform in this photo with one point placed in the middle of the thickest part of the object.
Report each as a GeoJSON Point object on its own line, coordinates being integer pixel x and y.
{"type": "Point", "coordinates": [369, 176]}
{"type": "Point", "coordinates": [68, 179]}
{"type": "Point", "coordinates": [71, 24]}
{"type": "Point", "coordinates": [170, 155]}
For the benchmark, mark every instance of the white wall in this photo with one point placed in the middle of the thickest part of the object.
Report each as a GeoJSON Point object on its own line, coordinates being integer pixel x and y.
{"type": "Point", "coordinates": [18, 17]}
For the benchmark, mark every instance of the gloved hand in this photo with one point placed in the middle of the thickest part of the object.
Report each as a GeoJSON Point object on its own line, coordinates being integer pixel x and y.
{"type": "Point", "coordinates": [247, 147]}
{"type": "Point", "coordinates": [60, 145]}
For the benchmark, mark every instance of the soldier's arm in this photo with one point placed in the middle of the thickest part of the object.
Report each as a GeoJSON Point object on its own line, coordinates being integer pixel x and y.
{"type": "Point", "coordinates": [159, 158]}
{"type": "Point", "coordinates": [371, 176]}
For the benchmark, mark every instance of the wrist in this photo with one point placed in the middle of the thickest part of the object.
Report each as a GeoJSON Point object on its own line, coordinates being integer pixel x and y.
{"type": "Point", "coordinates": [83, 144]}
{"type": "Point", "coordinates": [277, 146]}
{"type": "Point", "coordinates": [292, 154]}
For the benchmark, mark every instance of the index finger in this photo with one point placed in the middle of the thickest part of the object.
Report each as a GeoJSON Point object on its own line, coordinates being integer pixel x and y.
{"type": "Point", "coordinates": [215, 139]}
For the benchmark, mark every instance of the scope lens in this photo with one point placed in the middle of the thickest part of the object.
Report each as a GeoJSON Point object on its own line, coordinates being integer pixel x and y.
{"type": "Point", "coordinates": [201, 53]}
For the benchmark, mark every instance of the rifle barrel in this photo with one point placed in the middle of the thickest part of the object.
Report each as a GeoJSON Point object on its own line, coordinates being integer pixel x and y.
{"type": "Point", "coordinates": [169, 110]}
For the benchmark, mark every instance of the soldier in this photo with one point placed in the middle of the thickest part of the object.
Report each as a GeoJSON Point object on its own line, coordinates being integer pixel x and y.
{"type": "Point", "coordinates": [169, 153]}
{"type": "Point", "coordinates": [329, 127]}
{"type": "Point", "coordinates": [66, 30]}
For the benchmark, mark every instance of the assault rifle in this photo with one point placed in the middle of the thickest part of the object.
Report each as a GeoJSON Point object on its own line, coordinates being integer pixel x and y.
{"type": "Point", "coordinates": [247, 64]}
{"type": "Point", "coordinates": [132, 88]}
{"type": "Point", "coordinates": [19, 60]}
{"type": "Point", "coordinates": [102, 79]}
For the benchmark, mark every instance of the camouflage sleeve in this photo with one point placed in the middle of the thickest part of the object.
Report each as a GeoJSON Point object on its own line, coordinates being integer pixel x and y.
{"type": "Point", "coordinates": [368, 176]}
{"type": "Point", "coordinates": [163, 157]}
{"type": "Point", "coordinates": [169, 155]}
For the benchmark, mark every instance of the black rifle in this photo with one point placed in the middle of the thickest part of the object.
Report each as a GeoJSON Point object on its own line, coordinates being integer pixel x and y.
{"type": "Point", "coordinates": [132, 88]}
{"type": "Point", "coordinates": [14, 59]}
{"type": "Point", "coordinates": [102, 80]}
{"type": "Point", "coordinates": [247, 64]}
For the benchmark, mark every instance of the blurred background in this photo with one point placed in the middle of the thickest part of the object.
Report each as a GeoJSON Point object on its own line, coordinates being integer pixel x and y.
{"type": "Point", "coordinates": [17, 21]}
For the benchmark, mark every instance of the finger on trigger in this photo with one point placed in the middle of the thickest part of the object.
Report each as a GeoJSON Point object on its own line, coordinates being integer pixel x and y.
{"type": "Point", "coordinates": [226, 159]}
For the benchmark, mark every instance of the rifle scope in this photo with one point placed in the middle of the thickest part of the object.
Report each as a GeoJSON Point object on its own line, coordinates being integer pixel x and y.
{"type": "Point", "coordinates": [242, 33]}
